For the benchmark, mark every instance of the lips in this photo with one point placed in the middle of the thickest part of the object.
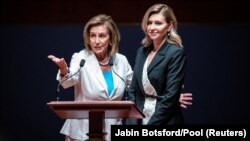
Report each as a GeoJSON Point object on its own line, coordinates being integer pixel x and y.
{"type": "Point", "coordinates": [153, 34]}
{"type": "Point", "coordinates": [98, 48]}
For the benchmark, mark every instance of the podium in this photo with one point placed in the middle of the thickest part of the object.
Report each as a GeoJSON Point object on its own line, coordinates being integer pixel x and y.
{"type": "Point", "coordinates": [96, 112]}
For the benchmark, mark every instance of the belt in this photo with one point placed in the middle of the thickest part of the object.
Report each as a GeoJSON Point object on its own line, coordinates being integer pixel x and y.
{"type": "Point", "coordinates": [153, 96]}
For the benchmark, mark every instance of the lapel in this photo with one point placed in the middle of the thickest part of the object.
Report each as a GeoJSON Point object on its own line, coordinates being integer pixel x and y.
{"type": "Point", "coordinates": [115, 77]}
{"type": "Point", "coordinates": [159, 56]}
{"type": "Point", "coordinates": [140, 64]}
{"type": "Point", "coordinates": [96, 72]}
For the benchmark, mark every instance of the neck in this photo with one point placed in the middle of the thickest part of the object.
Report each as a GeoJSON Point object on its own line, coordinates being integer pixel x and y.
{"type": "Point", "coordinates": [157, 45]}
{"type": "Point", "coordinates": [103, 61]}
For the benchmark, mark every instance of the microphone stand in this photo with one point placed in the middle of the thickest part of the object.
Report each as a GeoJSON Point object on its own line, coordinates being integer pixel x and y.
{"type": "Point", "coordinates": [58, 86]}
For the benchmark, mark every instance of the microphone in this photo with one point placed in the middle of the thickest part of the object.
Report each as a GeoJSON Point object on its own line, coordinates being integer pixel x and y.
{"type": "Point", "coordinates": [58, 86]}
{"type": "Point", "coordinates": [111, 63]}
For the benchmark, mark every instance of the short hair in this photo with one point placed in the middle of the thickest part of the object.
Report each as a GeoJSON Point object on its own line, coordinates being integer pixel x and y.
{"type": "Point", "coordinates": [113, 30]}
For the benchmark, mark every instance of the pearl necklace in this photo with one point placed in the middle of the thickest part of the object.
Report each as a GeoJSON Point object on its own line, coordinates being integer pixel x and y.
{"type": "Point", "coordinates": [103, 64]}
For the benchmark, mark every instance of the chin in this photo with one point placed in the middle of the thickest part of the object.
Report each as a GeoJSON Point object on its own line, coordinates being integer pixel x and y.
{"type": "Point", "coordinates": [154, 38]}
{"type": "Point", "coordinates": [98, 51]}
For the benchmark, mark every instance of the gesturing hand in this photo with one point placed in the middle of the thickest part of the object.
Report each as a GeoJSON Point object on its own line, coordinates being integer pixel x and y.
{"type": "Point", "coordinates": [60, 62]}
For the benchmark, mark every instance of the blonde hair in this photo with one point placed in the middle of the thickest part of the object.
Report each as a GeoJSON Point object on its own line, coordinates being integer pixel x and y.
{"type": "Point", "coordinates": [114, 33]}
{"type": "Point", "coordinates": [168, 14]}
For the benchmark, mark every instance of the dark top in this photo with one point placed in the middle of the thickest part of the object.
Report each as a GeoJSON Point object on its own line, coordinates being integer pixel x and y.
{"type": "Point", "coordinates": [166, 74]}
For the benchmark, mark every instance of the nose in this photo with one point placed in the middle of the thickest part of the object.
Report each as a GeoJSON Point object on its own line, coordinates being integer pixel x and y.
{"type": "Point", "coordinates": [97, 40]}
{"type": "Point", "coordinates": [152, 26]}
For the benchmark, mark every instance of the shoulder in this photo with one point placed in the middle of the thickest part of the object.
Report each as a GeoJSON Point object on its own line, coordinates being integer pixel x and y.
{"type": "Point", "coordinates": [119, 56]}
{"type": "Point", "coordinates": [174, 49]}
{"type": "Point", "coordinates": [82, 54]}
{"type": "Point", "coordinates": [142, 48]}
{"type": "Point", "coordinates": [120, 59]}
{"type": "Point", "coordinates": [121, 63]}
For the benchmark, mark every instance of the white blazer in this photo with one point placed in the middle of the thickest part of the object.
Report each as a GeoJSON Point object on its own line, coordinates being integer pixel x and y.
{"type": "Point", "coordinates": [89, 84]}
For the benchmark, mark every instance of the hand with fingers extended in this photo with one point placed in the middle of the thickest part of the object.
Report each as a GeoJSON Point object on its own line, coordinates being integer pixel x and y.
{"type": "Point", "coordinates": [61, 63]}
{"type": "Point", "coordinates": [186, 100]}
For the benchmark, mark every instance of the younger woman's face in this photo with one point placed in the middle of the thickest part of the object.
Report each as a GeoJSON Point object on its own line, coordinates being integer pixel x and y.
{"type": "Point", "coordinates": [157, 27]}
{"type": "Point", "coordinates": [99, 39]}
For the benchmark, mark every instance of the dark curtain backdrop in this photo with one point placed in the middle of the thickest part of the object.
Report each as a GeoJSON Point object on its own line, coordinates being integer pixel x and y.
{"type": "Point", "coordinates": [217, 75]}
{"type": "Point", "coordinates": [215, 36]}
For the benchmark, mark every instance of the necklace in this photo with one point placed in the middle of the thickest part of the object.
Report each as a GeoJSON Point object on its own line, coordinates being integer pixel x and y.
{"type": "Point", "coordinates": [103, 64]}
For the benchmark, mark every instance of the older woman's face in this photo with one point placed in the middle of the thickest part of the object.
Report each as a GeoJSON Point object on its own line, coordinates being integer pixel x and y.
{"type": "Point", "coordinates": [99, 39]}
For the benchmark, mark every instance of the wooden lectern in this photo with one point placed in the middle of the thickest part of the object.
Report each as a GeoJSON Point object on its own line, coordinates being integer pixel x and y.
{"type": "Point", "coordinates": [96, 112]}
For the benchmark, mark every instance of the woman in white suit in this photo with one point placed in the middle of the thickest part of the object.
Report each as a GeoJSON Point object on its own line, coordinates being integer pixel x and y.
{"type": "Point", "coordinates": [99, 79]}
{"type": "Point", "coordinates": [102, 77]}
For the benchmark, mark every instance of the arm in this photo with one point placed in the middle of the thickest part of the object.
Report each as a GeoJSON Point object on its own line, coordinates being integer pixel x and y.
{"type": "Point", "coordinates": [131, 90]}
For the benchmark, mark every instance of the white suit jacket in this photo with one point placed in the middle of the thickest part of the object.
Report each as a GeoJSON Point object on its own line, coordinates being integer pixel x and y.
{"type": "Point", "coordinates": [89, 84]}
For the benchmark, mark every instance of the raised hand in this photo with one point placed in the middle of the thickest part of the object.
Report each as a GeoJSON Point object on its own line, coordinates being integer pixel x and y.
{"type": "Point", "coordinates": [61, 63]}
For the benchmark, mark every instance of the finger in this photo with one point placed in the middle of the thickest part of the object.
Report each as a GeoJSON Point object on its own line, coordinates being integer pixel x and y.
{"type": "Point", "coordinates": [62, 60]}
{"type": "Point", "coordinates": [59, 62]}
{"type": "Point", "coordinates": [187, 99]}
{"type": "Point", "coordinates": [62, 63]}
{"type": "Point", "coordinates": [187, 94]}
{"type": "Point", "coordinates": [51, 57]}
{"type": "Point", "coordinates": [186, 103]}
{"type": "Point", "coordinates": [183, 106]}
